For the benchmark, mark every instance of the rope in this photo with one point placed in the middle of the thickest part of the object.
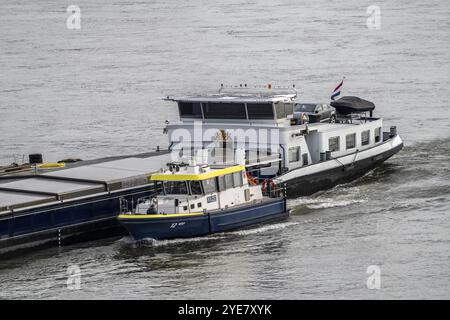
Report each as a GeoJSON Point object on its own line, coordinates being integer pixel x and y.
{"type": "Point", "coordinates": [343, 165]}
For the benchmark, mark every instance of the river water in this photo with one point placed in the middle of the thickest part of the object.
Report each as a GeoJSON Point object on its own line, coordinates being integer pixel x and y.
{"type": "Point", "coordinates": [96, 91]}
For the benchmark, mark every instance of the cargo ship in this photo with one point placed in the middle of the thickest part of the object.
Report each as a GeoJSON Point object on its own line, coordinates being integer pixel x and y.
{"type": "Point", "coordinates": [283, 140]}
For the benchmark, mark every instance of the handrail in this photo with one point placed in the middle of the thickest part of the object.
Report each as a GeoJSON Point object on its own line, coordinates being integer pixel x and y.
{"type": "Point", "coordinates": [259, 89]}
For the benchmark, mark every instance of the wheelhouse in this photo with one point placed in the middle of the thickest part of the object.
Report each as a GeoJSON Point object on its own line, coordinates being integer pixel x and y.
{"type": "Point", "coordinates": [214, 180]}
{"type": "Point", "coordinates": [196, 189]}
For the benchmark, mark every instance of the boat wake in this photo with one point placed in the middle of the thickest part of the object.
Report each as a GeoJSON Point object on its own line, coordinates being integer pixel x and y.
{"type": "Point", "coordinates": [155, 243]}
{"type": "Point", "coordinates": [263, 229]}
{"type": "Point", "coordinates": [323, 202]}
{"type": "Point", "coordinates": [150, 242]}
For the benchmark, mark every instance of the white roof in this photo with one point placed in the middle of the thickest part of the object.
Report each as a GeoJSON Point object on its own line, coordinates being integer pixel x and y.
{"type": "Point", "coordinates": [234, 98]}
{"type": "Point", "coordinates": [327, 127]}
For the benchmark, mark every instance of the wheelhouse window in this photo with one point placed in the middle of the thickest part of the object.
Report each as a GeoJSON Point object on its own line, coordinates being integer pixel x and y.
{"type": "Point", "coordinates": [237, 179]}
{"type": "Point", "coordinates": [333, 144]}
{"type": "Point", "coordinates": [294, 154]}
{"type": "Point", "coordinates": [190, 109]}
{"type": "Point", "coordinates": [228, 181]}
{"type": "Point", "coordinates": [158, 186]}
{"type": "Point", "coordinates": [260, 111]}
{"type": "Point", "coordinates": [209, 185]}
{"type": "Point", "coordinates": [196, 187]}
{"type": "Point", "coordinates": [350, 141]}
{"type": "Point", "coordinates": [365, 138]}
{"type": "Point", "coordinates": [378, 134]}
{"type": "Point", "coordinates": [222, 110]}
{"type": "Point", "coordinates": [221, 183]}
{"type": "Point", "coordinates": [175, 187]}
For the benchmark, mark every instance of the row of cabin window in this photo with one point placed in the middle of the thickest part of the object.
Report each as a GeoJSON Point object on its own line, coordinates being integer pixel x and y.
{"type": "Point", "coordinates": [230, 181]}
{"type": "Point", "coordinates": [205, 186]}
{"type": "Point", "coordinates": [199, 205]}
{"type": "Point", "coordinates": [222, 183]}
{"type": "Point", "coordinates": [223, 110]}
{"type": "Point", "coordinates": [350, 140]}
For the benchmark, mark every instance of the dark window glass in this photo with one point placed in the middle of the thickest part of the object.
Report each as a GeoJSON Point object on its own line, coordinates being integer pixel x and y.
{"type": "Point", "coordinates": [229, 181]}
{"type": "Point", "coordinates": [221, 181]}
{"type": "Point", "coordinates": [199, 205]}
{"type": "Point", "coordinates": [305, 159]}
{"type": "Point", "coordinates": [260, 111]}
{"type": "Point", "coordinates": [333, 144]}
{"type": "Point", "coordinates": [283, 109]}
{"type": "Point", "coordinates": [378, 134]}
{"type": "Point", "coordinates": [350, 141]}
{"type": "Point", "coordinates": [196, 187]}
{"type": "Point", "coordinates": [209, 185]}
{"type": "Point", "coordinates": [192, 206]}
{"type": "Point", "coordinates": [294, 154]}
{"type": "Point", "coordinates": [158, 187]}
{"type": "Point", "coordinates": [190, 109]}
{"type": "Point", "coordinates": [279, 109]}
{"type": "Point", "coordinates": [221, 110]}
{"type": "Point", "coordinates": [175, 187]}
{"type": "Point", "coordinates": [365, 137]}
{"type": "Point", "coordinates": [40, 220]}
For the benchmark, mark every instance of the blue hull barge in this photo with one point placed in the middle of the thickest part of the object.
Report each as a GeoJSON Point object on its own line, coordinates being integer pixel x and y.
{"type": "Point", "coordinates": [199, 200]}
{"type": "Point", "coordinates": [73, 204]}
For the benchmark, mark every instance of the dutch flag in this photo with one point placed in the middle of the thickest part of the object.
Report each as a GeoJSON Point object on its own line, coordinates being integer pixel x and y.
{"type": "Point", "coordinates": [337, 90]}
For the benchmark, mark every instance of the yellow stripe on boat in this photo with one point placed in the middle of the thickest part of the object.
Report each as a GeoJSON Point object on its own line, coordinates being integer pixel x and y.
{"type": "Point", "coordinates": [200, 176]}
{"type": "Point", "coordinates": [159, 216]}
{"type": "Point", "coordinates": [51, 165]}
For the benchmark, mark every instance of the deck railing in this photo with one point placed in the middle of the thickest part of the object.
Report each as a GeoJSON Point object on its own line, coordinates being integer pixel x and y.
{"type": "Point", "coordinates": [272, 190]}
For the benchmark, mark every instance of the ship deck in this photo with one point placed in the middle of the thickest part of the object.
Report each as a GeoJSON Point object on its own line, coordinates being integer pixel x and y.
{"type": "Point", "coordinates": [77, 180]}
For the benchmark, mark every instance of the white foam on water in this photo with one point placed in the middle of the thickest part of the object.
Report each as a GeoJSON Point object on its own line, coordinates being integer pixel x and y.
{"type": "Point", "coordinates": [323, 203]}
{"type": "Point", "coordinates": [216, 236]}
{"type": "Point", "coordinates": [168, 242]}
{"type": "Point", "coordinates": [335, 203]}
{"type": "Point", "coordinates": [264, 228]}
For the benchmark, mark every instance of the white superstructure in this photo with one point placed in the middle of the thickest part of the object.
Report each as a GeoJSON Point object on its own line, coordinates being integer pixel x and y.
{"type": "Point", "coordinates": [261, 123]}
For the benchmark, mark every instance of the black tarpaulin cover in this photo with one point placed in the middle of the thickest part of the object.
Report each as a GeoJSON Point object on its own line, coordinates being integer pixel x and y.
{"type": "Point", "coordinates": [350, 104]}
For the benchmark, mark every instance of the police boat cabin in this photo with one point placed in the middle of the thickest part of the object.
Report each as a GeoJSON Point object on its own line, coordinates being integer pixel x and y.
{"type": "Point", "coordinates": [197, 200]}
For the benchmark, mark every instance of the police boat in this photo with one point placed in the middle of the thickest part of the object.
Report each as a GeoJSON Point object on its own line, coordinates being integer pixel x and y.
{"type": "Point", "coordinates": [196, 200]}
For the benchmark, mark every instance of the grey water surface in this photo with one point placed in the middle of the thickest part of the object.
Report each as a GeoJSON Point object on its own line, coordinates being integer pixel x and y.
{"type": "Point", "coordinates": [96, 92]}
